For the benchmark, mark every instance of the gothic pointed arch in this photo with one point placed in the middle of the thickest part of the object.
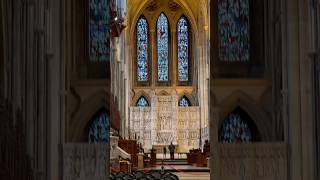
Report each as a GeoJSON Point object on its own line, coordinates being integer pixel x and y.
{"type": "Point", "coordinates": [142, 102]}
{"type": "Point", "coordinates": [259, 117]}
{"type": "Point", "coordinates": [184, 63]}
{"type": "Point", "coordinates": [238, 127]}
{"type": "Point", "coordinates": [184, 101]}
{"type": "Point", "coordinates": [99, 127]}
{"type": "Point", "coordinates": [142, 50]}
{"type": "Point", "coordinates": [163, 38]}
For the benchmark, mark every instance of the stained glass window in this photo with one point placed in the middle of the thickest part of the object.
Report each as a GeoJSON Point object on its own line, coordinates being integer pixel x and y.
{"type": "Point", "coordinates": [163, 47]}
{"type": "Point", "coordinates": [235, 129]}
{"type": "Point", "coordinates": [234, 35]}
{"type": "Point", "coordinates": [142, 49]}
{"type": "Point", "coordinates": [142, 102]}
{"type": "Point", "coordinates": [99, 129]}
{"type": "Point", "coordinates": [184, 101]}
{"type": "Point", "coordinates": [99, 40]}
{"type": "Point", "coordinates": [183, 49]}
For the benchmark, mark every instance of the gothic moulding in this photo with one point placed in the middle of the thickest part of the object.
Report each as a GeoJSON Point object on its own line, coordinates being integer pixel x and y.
{"type": "Point", "coordinates": [150, 10]}
{"type": "Point", "coordinates": [139, 8]}
{"type": "Point", "coordinates": [140, 93]}
{"type": "Point", "coordinates": [191, 95]}
{"type": "Point", "coordinates": [78, 123]}
{"type": "Point", "coordinates": [260, 118]}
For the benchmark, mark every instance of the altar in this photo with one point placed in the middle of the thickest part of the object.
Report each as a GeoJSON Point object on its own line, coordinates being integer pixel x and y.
{"type": "Point", "coordinates": [164, 122]}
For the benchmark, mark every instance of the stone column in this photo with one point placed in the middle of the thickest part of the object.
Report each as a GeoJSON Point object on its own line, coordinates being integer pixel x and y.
{"type": "Point", "coordinates": [153, 55]}
{"type": "Point", "coordinates": [214, 143]}
{"type": "Point", "coordinates": [174, 61]}
{"type": "Point", "coordinates": [299, 124]}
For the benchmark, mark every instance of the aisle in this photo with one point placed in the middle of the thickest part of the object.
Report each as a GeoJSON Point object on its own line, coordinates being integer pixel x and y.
{"type": "Point", "coordinates": [177, 165]}
{"type": "Point", "coordinates": [193, 175]}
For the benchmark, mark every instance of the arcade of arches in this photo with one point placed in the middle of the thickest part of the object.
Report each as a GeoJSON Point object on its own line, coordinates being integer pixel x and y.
{"type": "Point", "coordinates": [234, 85]}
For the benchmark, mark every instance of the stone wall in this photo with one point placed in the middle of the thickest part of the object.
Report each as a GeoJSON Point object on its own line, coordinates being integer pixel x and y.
{"type": "Point", "coordinates": [85, 161]}
{"type": "Point", "coordinates": [258, 161]}
{"type": "Point", "coordinates": [164, 122]}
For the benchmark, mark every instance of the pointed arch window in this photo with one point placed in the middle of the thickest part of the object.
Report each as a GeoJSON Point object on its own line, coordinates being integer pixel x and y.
{"type": "Point", "coordinates": [233, 30]}
{"type": "Point", "coordinates": [142, 49]}
{"type": "Point", "coordinates": [99, 129]}
{"type": "Point", "coordinates": [163, 47]}
{"type": "Point", "coordinates": [235, 130]}
{"type": "Point", "coordinates": [142, 102]}
{"type": "Point", "coordinates": [99, 36]}
{"type": "Point", "coordinates": [184, 102]}
{"type": "Point", "coordinates": [183, 49]}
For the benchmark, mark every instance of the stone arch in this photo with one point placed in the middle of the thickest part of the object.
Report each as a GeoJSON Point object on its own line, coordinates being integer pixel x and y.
{"type": "Point", "coordinates": [241, 116]}
{"type": "Point", "coordinates": [188, 100]}
{"type": "Point", "coordinates": [252, 108]}
{"type": "Point", "coordinates": [137, 97]}
{"type": "Point", "coordinates": [85, 112]}
{"type": "Point", "coordinates": [94, 118]}
{"type": "Point", "coordinates": [142, 97]}
{"type": "Point", "coordinates": [191, 99]}
{"type": "Point", "coordinates": [163, 93]}
{"type": "Point", "coordinates": [139, 11]}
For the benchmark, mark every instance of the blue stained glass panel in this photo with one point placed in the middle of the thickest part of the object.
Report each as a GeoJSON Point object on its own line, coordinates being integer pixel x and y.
{"type": "Point", "coordinates": [234, 34]}
{"type": "Point", "coordinates": [142, 102]}
{"type": "Point", "coordinates": [99, 129]}
{"type": "Point", "coordinates": [184, 102]}
{"type": "Point", "coordinates": [183, 49]}
{"type": "Point", "coordinates": [142, 49]}
{"type": "Point", "coordinates": [235, 130]}
{"type": "Point", "coordinates": [163, 47]}
{"type": "Point", "coordinates": [99, 33]}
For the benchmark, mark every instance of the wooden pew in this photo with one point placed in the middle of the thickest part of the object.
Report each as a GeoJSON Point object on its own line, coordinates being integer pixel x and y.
{"type": "Point", "coordinates": [131, 147]}
{"type": "Point", "coordinates": [197, 158]}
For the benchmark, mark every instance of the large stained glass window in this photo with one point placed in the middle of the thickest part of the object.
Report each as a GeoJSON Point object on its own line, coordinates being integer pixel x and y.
{"type": "Point", "coordinates": [99, 129]}
{"type": "Point", "coordinates": [142, 49]}
{"type": "Point", "coordinates": [234, 35]}
{"type": "Point", "coordinates": [142, 102]}
{"type": "Point", "coordinates": [235, 130]}
{"type": "Point", "coordinates": [163, 47]}
{"type": "Point", "coordinates": [184, 101]}
{"type": "Point", "coordinates": [183, 48]}
{"type": "Point", "coordinates": [99, 40]}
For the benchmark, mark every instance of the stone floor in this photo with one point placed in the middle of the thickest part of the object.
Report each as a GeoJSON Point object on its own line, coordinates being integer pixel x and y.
{"type": "Point", "coordinates": [176, 165]}
{"type": "Point", "coordinates": [193, 175]}
{"type": "Point", "coordinates": [181, 168]}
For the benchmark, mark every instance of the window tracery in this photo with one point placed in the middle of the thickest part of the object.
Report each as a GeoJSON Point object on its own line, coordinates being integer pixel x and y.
{"type": "Point", "coordinates": [142, 49]}
{"type": "Point", "coordinates": [163, 47]}
{"type": "Point", "coordinates": [235, 130]}
{"type": "Point", "coordinates": [99, 36]}
{"type": "Point", "coordinates": [184, 102]}
{"type": "Point", "coordinates": [163, 56]}
{"type": "Point", "coordinates": [183, 49]}
{"type": "Point", "coordinates": [233, 30]}
{"type": "Point", "coordinates": [142, 102]}
{"type": "Point", "coordinates": [99, 129]}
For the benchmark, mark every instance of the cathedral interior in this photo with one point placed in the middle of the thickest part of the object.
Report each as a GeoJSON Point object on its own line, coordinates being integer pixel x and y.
{"type": "Point", "coordinates": [160, 89]}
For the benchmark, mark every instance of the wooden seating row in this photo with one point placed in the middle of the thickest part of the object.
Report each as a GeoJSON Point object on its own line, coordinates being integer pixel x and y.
{"type": "Point", "coordinates": [197, 158]}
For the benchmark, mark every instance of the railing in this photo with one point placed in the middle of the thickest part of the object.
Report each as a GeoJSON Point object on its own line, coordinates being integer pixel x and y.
{"type": "Point", "coordinates": [85, 161]}
{"type": "Point", "coordinates": [256, 161]}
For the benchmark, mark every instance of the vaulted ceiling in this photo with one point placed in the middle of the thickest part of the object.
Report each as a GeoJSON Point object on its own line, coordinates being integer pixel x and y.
{"type": "Point", "coordinates": [193, 7]}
